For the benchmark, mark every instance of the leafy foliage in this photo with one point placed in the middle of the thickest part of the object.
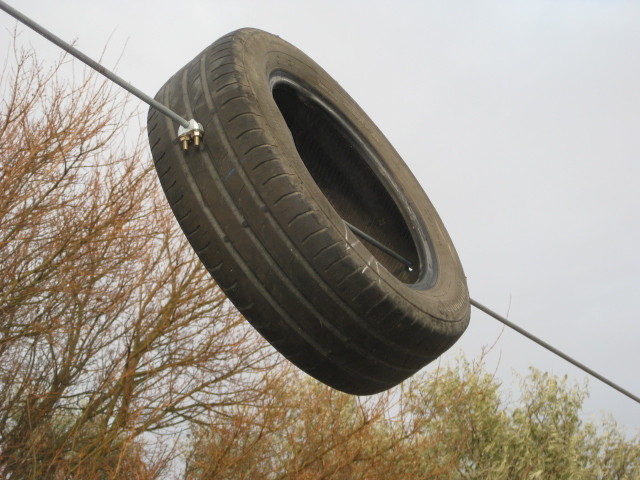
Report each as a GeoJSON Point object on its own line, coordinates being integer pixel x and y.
{"type": "Point", "coordinates": [449, 425]}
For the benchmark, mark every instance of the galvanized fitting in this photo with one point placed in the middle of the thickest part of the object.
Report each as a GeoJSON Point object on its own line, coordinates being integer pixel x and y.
{"type": "Point", "coordinates": [192, 133]}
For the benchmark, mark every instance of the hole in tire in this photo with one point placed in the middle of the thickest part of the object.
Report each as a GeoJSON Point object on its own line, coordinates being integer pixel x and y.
{"type": "Point", "coordinates": [335, 156]}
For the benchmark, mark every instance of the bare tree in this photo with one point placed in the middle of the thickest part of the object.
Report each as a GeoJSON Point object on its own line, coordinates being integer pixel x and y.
{"type": "Point", "coordinates": [110, 328]}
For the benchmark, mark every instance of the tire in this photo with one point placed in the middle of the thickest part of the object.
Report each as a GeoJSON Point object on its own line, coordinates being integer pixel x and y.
{"type": "Point", "coordinates": [287, 159]}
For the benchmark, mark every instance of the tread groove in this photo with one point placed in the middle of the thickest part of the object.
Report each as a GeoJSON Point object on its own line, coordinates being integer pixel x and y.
{"type": "Point", "coordinates": [221, 65]}
{"type": "Point", "coordinates": [375, 305]}
{"type": "Point", "coordinates": [203, 249]}
{"type": "Point", "coordinates": [282, 197]}
{"type": "Point", "coordinates": [299, 216]}
{"type": "Point", "coordinates": [161, 176]}
{"type": "Point", "coordinates": [240, 115]}
{"type": "Point", "coordinates": [216, 267]}
{"type": "Point", "coordinates": [258, 146]}
{"type": "Point", "coordinates": [181, 218]}
{"type": "Point", "coordinates": [277, 175]}
{"type": "Point", "coordinates": [223, 75]}
{"type": "Point", "coordinates": [262, 163]}
{"type": "Point", "coordinates": [178, 200]}
{"type": "Point", "coordinates": [237, 137]}
{"type": "Point", "coordinates": [171, 186]}
{"type": "Point", "coordinates": [347, 276]}
{"type": "Point", "coordinates": [160, 157]}
{"type": "Point", "coordinates": [311, 235]}
{"type": "Point", "coordinates": [325, 248]}
{"type": "Point", "coordinates": [228, 85]}
{"type": "Point", "coordinates": [230, 100]}
{"type": "Point", "coordinates": [188, 234]}
{"type": "Point", "coordinates": [339, 259]}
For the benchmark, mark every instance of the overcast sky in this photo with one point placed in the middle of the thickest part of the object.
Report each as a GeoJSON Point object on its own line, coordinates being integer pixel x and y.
{"type": "Point", "coordinates": [521, 120]}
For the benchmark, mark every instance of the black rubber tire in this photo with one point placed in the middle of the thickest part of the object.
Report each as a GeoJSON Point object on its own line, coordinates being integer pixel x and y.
{"type": "Point", "coordinates": [287, 157]}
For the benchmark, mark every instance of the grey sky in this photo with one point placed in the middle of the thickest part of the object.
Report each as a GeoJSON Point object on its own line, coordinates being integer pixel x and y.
{"type": "Point", "coordinates": [520, 119]}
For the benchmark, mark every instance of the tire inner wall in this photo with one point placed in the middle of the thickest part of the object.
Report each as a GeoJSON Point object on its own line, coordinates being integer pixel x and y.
{"type": "Point", "coordinates": [340, 169]}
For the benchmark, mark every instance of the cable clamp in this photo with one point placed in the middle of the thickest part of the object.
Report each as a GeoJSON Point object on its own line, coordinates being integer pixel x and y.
{"type": "Point", "coordinates": [191, 133]}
